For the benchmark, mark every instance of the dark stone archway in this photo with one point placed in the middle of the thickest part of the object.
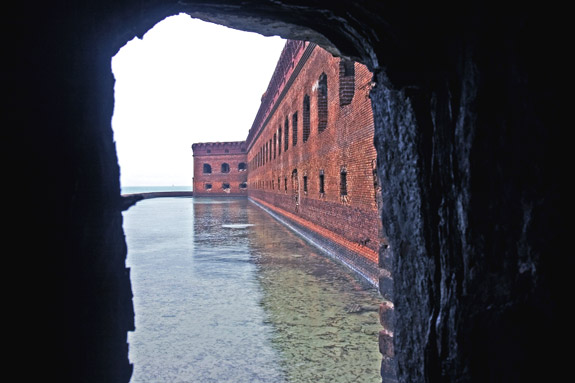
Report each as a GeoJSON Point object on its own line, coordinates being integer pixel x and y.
{"type": "Point", "coordinates": [466, 107]}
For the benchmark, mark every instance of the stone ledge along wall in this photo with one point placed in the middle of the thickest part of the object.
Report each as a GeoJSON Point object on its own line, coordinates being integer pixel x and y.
{"type": "Point", "coordinates": [312, 164]}
{"type": "Point", "coordinates": [322, 174]}
{"type": "Point", "coordinates": [231, 181]}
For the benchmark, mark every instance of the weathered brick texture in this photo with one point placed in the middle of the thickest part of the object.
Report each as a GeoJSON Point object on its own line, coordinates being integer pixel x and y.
{"type": "Point", "coordinates": [220, 169]}
{"type": "Point", "coordinates": [288, 174]}
{"type": "Point", "coordinates": [312, 160]}
{"type": "Point", "coordinates": [310, 150]}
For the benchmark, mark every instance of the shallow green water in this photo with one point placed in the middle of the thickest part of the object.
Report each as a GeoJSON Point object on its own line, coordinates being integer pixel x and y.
{"type": "Point", "coordinates": [224, 293]}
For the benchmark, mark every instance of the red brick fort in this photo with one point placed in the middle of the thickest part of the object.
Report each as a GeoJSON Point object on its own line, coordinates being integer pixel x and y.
{"type": "Point", "coordinates": [309, 157]}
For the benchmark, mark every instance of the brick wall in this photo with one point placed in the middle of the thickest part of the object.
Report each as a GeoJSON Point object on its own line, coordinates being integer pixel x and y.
{"type": "Point", "coordinates": [220, 169]}
{"type": "Point", "coordinates": [311, 160]}
{"type": "Point", "coordinates": [309, 151]}
{"type": "Point", "coordinates": [288, 176]}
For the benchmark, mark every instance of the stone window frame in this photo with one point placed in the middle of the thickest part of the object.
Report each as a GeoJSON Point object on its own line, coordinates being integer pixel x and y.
{"type": "Point", "coordinates": [322, 103]}
{"type": "Point", "coordinates": [294, 128]}
{"type": "Point", "coordinates": [346, 81]}
{"type": "Point", "coordinates": [306, 129]}
{"type": "Point", "coordinates": [286, 134]}
{"type": "Point", "coordinates": [280, 140]}
{"type": "Point", "coordinates": [343, 190]}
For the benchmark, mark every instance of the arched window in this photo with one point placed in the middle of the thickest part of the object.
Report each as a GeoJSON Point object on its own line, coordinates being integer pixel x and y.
{"type": "Point", "coordinates": [306, 116]}
{"type": "Point", "coordinates": [346, 81]}
{"type": "Point", "coordinates": [343, 181]}
{"type": "Point", "coordinates": [294, 129]}
{"type": "Point", "coordinates": [242, 166]}
{"type": "Point", "coordinates": [225, 168]}
{"type": "Point", "coordinates": [225, 185]}
{"type": "Point", "coordinates": [243, 185]}
{"type": "Point", "coordinates": [207, 169]}
{"type": "Point", "coordinates": [322, 103]}
{"type": "Point", "coordinates": [286, 135]}
{"type": "Point", "coordinates": [280, 141]}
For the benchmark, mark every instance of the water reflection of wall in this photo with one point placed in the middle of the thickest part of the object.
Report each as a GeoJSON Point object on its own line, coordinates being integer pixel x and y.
{"type": "Point", "coordinates": [325, 317]}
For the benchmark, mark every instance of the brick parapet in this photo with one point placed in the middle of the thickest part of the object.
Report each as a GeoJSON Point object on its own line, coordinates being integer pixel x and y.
{"type": "Point", "coordinates": [354, 224]}
{"type": "Point", "coordinates": [219, 148]}
{"type": "Point", "coordinates": [215, 154]}
{"type": "Point", "coordinates": [346, 145]}
{"type": "Point", "coordinates": [359, 258]}
{"type": "Point", "coordinates": [291, 60]}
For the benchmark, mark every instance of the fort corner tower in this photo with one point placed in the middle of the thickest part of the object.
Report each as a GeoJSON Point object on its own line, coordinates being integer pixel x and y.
{"type": "Point", "coordinates": [220, 169]}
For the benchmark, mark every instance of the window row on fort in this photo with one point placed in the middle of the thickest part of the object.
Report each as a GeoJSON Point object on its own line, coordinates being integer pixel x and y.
{"type": "Point", "coordinates": [224, 168]}
{"type": "Point", "coordinates": [225, 186]}
{"type": "Point", "coordinates": [292, 183]}
{"type": "Point", "coordinates": [272, 148]}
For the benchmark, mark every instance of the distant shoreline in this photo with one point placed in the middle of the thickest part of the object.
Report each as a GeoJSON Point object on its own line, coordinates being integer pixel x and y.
{"type": "Point", "coordinates": [130, 199]}
{"type": "Point", "coordinates": [154, 189]}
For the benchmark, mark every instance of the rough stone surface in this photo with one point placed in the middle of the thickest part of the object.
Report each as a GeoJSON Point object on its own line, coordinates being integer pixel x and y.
{"type": "Point", "coordinates": [468, 119]}
{"type": "Point", "coordinates": [386, 315]}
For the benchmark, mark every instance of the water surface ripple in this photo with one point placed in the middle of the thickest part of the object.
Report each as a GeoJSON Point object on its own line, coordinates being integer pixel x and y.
{"type": "Point", "coordinates": [225, 293]}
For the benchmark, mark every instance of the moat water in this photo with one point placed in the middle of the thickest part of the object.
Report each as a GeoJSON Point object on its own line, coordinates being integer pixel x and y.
{"type": "Point", "coordinates": [225, 293]}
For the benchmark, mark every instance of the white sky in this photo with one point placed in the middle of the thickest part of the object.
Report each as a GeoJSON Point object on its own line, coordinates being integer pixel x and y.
{"type": "Point", "coordinates": [186, 81]}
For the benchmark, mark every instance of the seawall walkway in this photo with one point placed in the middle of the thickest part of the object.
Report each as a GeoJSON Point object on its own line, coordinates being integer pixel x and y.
{"type": "Point", "coordinates": [129, 200]}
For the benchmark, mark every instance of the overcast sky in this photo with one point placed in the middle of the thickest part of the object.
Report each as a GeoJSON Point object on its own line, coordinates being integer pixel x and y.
{"type": "Point", "coordinates": [186, 81]}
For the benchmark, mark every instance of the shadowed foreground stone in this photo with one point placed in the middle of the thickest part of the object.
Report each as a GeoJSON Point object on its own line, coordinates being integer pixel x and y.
{"type": "Point", "coordinates": [468, 117]}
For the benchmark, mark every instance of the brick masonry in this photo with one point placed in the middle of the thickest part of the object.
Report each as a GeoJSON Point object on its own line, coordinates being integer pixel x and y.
{"type": "Point", "coordinates": [226, 173]}
{"type": "Point", "coordinates": [288, 175]}
{"type": "Point", "coordinates": [311, 160]}
{"type": "Point", "coordinates": [310, 149]}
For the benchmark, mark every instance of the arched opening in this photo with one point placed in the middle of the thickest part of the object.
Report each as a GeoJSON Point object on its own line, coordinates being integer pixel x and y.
{"type": "Point", "coordinates": [343, 181]}
{"type": "Point", "coordinates": [286, 133]}
{"type": "Point", "coordinates": [295, 188]}
{"type": "Point", "coordinates": [306, 118]}
{"type": "Point", "coordinates": [322, 105]}
{"type": "Point", "coordinates": [207, 168]}
{"type": "Point", "coordinates": [346, 81]}
{"type": "Point", "coordinates": [471, 146]}
{"type": "Point", "coordinates": [294, 129]}
{"type": "Point", "coordinates": [321, 184]}
{"type": "Point", "coordinates": [267, 153]}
